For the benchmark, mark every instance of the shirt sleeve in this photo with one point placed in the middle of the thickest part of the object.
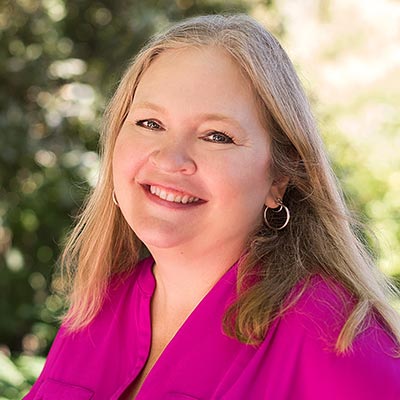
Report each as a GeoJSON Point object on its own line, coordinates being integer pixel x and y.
{"type": "Point", "coordinates": [368, 370]}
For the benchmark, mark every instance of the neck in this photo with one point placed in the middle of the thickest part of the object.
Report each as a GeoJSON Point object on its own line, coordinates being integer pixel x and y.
{"type": "Point", "coordinates": [184, 277]}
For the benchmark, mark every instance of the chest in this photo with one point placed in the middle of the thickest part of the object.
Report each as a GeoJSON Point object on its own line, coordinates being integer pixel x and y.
{"type": "Point", "coordinates": [129, 353]}
{"type": "Point", "coordinates": [135, 386]}
{"type": "Point", "coordinates": [162, 334]}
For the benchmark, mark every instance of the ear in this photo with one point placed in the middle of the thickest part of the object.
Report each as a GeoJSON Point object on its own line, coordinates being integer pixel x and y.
{"type": "Point", "coordinates": [276, 191]}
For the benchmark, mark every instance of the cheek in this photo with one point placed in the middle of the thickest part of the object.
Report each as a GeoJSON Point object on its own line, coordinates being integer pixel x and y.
{"type": "Point", "coordinates": [243, 177]}
{"type": "Point", "coordinates": [126, 158]}
{"type": "Point", "coordinates": [118, 161]}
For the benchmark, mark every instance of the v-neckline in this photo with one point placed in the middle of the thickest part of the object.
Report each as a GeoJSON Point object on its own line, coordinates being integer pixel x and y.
{"type": "Point", "coordinates": [147, 283]}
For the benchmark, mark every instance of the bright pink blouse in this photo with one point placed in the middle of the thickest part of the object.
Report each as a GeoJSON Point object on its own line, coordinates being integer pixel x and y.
{"type": "Point", "coordinates": [295, 361]}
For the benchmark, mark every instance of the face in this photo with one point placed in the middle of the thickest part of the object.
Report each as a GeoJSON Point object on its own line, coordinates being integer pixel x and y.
{"type": "Point", "coordinates": [191, 162]}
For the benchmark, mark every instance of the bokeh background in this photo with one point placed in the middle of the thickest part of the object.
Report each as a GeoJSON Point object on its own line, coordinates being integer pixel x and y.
{"type": "Point", "coordinates": [59, 64]}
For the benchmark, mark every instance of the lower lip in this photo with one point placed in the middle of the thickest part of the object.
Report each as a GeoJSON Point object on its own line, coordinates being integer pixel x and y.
{"type": "Point", "coordinates": [170, 204]}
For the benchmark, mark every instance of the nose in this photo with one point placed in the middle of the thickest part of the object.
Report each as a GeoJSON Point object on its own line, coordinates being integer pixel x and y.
{"type": "Point", "coordinates": [173, 157]}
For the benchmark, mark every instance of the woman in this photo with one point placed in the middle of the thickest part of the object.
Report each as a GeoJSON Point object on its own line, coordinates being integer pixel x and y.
{"type": "Point", "coordinates": [256, 287]}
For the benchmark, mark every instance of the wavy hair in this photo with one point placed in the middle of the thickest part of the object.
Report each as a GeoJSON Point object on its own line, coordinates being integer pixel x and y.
{"type": "Point", "coordinates": [321, 237]}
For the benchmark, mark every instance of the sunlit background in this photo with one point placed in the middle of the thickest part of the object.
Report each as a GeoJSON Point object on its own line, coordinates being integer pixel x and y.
{"type": "Point", "coordinates": [59, 63]}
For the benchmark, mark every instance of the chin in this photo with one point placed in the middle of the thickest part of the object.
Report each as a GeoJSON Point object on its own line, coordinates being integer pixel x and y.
{"type": "Point", "coordinates": [158, 241]}
{"type": "Point", "coordinates": [162, 236]}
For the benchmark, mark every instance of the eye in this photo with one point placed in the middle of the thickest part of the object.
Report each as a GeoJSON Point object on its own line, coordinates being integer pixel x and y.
{"type": "Point", "coordinates": [218, 137]}
{"type": "Point", "coordinates": [149, 124]}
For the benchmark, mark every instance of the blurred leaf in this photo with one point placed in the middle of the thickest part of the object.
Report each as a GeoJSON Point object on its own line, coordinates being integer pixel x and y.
{"type": "Point", "coordinates": [9, 372]}
{"type": "Point", "coordinates": [30, 366]}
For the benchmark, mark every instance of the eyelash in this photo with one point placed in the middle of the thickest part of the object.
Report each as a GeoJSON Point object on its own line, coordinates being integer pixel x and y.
{"type": "Point", "coordinates": [221, 133]}
{"type": "Point", "coordinates": [143, 123]}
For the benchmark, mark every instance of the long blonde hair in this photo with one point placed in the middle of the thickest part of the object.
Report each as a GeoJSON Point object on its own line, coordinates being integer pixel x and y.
{"type": "Point", "coordinates": [319, 239]}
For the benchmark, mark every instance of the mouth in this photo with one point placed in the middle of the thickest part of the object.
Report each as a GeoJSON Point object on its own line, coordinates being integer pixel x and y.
{"type": "Point", "coordinates": [172, 195]}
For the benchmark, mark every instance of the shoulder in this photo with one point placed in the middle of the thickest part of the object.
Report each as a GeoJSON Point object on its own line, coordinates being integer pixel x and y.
{"type": "Point", "coordinates": [90, 346]}
{"type": "Point", "coordinates": [123, 297]}
{"type": "Point", "coordinates": [312, 326]}
{"type": "Point", "coordinates": [322, 308]}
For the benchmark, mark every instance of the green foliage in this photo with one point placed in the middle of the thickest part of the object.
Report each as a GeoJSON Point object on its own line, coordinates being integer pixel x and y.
{"type": "Point", "coordinates": [17, 376]}
{"type": "Point", "coordinates": [367, 165]}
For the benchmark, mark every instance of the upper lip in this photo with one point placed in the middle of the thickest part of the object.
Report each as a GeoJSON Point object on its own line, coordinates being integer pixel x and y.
{"type": "Point", "coordinates": [171, 188]}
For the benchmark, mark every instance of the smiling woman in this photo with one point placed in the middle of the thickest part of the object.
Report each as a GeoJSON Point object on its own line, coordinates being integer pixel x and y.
{"type": "Point", "coordinates": [176, 146]}
{"type": "Point", "coordinates": [256, 287]}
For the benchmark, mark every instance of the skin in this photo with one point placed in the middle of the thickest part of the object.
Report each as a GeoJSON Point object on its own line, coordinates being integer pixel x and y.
{"type": "Point", "coordinates": [193, 128]}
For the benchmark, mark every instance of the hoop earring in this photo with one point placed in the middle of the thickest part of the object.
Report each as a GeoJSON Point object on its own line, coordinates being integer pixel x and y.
{"type": "Point", "coordinates": [114, 199]}
{"type": "Point", "coordinates": [280, 208]}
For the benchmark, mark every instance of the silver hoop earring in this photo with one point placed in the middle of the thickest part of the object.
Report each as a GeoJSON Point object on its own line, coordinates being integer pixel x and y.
{"type": "Point", "coordinates": [114, 199]}
{"type": "Point", "coordinates": [277, 211]}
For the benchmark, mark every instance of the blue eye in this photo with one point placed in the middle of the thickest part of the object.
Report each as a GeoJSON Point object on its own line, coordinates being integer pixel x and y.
{"type": "Point", "coordinates": [149, 124]}
{"type": "Point", "coordinates": [218, 137]}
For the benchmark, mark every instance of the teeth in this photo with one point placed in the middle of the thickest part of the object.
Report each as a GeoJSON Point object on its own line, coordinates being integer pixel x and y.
{"type": "Point", "coordinates": [185, 199]}
{"type": "Point", "coordinates": [176, 198]}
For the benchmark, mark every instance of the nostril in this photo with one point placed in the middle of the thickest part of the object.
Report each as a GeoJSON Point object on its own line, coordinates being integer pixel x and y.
{"type": "Point", "coordinates": [171, 161]}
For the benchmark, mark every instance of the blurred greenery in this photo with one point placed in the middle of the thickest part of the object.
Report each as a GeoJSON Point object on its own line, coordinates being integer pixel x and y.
{"type": "Point", "coordinates": [59, 63]}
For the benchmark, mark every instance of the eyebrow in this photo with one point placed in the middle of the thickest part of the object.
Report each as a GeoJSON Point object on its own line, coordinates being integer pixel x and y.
{"type": "Point", "coordinates": [146, 104]}
{"type": "Point", "coordinates": [203, 117]}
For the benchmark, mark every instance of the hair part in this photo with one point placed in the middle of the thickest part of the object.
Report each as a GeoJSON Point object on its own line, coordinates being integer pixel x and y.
{"type": "Point", "coordinates": [320, 238]}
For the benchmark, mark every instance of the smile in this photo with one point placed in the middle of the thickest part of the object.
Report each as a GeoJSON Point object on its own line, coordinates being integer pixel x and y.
{"type": "Point", "coordinates": [171, 196]}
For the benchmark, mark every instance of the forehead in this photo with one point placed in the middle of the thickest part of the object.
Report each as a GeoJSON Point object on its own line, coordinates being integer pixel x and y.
{"type": "Point", "coordinates": [205, 77]}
